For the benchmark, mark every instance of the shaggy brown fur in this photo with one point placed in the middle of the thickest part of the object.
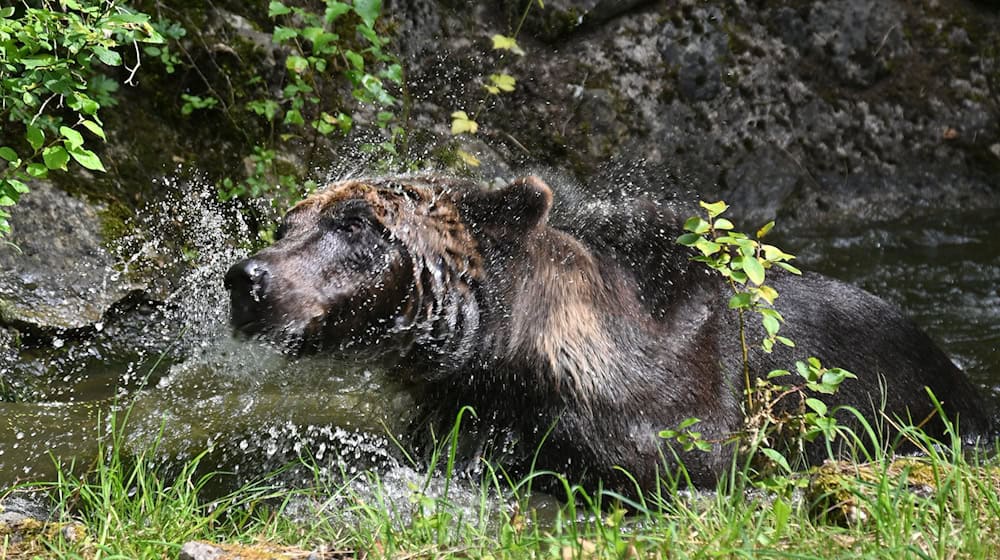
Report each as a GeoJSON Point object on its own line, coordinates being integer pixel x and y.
{"type": "Point", "coordinates": [581, 339]}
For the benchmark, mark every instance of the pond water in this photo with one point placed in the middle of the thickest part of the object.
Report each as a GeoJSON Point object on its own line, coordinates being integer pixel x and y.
{"type": "Point", "coordinates": [188, 385]}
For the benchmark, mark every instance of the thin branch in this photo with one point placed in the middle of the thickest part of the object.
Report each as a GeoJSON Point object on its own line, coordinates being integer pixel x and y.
{"type": "Point", "coordinates": [134, 69]}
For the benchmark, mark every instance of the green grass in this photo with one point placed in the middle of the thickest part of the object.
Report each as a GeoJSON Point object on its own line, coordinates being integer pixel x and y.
{"type": "Point", "coordinates": [940, 504]}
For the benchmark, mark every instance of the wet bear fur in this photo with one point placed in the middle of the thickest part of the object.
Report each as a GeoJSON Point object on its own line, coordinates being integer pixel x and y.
{"type": "Point", "coordinates": [576, 333]}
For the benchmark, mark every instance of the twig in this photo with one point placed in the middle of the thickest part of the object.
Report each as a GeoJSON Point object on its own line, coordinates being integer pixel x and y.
{"type": "Point", "coordinates": [42, 108]}
{"type": "Point", "coordinates": [134, 69]}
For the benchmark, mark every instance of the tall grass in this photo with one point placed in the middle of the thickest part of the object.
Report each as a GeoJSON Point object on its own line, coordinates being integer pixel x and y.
{"type": "Point", "coordinates": [941, 503]}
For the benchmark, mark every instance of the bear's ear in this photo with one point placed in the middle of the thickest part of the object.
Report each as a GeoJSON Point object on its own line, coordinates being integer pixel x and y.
{"type": "Point", "coordinates": [520, 206]}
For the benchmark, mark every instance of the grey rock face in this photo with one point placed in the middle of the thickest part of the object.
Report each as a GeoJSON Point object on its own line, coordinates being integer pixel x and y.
{"type": "Point", "coordinates": [56, 273]}
{"type": "Point", "coordinates": [811, 112]}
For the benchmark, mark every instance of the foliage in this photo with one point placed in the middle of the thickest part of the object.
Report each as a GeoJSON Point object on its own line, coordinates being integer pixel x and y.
{"type": "Point", "coordinates": [341, 45]}
{"type": "Point", "coordinates": [51, 60]}
{"type": "Point", "coordinates": [744, 261]}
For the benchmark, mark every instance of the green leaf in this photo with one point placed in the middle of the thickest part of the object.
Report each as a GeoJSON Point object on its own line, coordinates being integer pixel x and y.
{"type": "Point", "coordinates": [778, 373]}
{"type": "Point", "coordinates": [802, 369]}
{"type": "Point", "coordinates": [707, 248]}
{"type": "Point", "coordinates": [687, 423]}
{"type": "Point", "coordinates": [786, 341]}
{"type": "Point", "coordinates": [461, 123]}
{"type": "Point", "coordinates": [467, 158]}
{"type": "Point", "coordinates": [697, 225]}
{"type": "Point", "coordinates": [714, 208]}
{"type": "Point", "coordinates": [19, 187]}
{"type": "Point", "coordinates": [37, 61]}
{"type": "Point", "coordinates": [765, 229]}
{"type": "Point", "coordinates": [369, 10]}
{"type": "Point", "coordinates": [817, 405]}
{"type": "Point", "coordinates": [771, 325]}
{"type": "Point", "coordinates": [770, 311]}
{"type": "Point", "coordinates": [55, 157]}
{"type": "Point", "coordinates": [688, 239]}
{"type": "Point", "coordinates": [768, 294]}
{"type": "Point", "coordinates": [82, 103]}
{"type": "Point", "coordinates": [294, 117]}
{"type": "Point", "coordinates": [8, 154]}
{"type": "Point", "coordinates": [356, 60]}
{"type": "Point", "coordinates": [789, 268]}
{"type": "Point", "coordinates": [723, 224]}
{"type": "Point", "coordinates": [108, 56]}
{"type": "Point", "coordinates": [267, 108]}
{"type": "Point", "coordinates": [502, 82]}
{"type": "Point", "coordinates": [6, 12]}
{"type": "Point", "coordinates": [282, 34]}
{"type": "Point", "coordinates": [73, 138]}
{"type": "Point", "coordinates": [35, 137]}
{"type": "Point", "coordinates": [95, 129]}
{"type": "Point", "coordinates": [334, 10]}
{"type": "Point", "coordinates": [782, 513]}
{"type": "Point", "coordinates": [297, 64]}
{"type": "Point", "coordinates": [86, 158]}
{"type": "Point", "coordinates": [37, 170]}
{"type": "Point", "coordinates": [777, 458]}
{"type": "Point", "coordinates": [504, 43]}
{"type": "Point", "coordinates": [740, 301]}
{"type": "Point", "coordinates": [754, 270]}
{"type": "Point", "coordinates": [276, 8]}
{"type": "Point", "coordinates": [394, 73]}
{"type": "Point", "coordinates": [773, 253]}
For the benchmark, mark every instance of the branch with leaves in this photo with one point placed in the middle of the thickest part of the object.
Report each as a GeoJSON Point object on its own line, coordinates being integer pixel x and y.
{"type": "Point", "coordinates": [49, 57]}
{"type": "Point", "coordinates": [744, 262]}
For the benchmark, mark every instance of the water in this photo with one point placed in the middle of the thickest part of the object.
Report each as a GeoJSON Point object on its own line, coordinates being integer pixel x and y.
{"type": "Point", "coordinates": [190, 386]}
{"type": "Point", "coordinates": [184, 384]}
{"type": "Point", "coordinates": [943, 269]}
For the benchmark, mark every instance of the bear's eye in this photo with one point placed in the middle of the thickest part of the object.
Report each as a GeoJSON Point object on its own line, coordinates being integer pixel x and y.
{"type": "Point", "coordinates": [351, 225]}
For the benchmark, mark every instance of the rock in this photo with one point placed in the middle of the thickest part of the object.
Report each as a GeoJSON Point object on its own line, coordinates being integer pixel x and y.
{"type": "Point", "coordinates": [848, 493]}
{"type": "Point", "coordinates": [195, 550]}
{"type": "Point", "coordinates": [57, 276]}
{"type": "Point", "coordinates": [809, 112]}
{"type": "Point", "coordinates": [561, 17]}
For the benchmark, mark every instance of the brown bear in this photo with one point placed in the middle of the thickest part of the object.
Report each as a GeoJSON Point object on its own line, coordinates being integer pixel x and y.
{"type": "Point", "coordinates": [578, 338]}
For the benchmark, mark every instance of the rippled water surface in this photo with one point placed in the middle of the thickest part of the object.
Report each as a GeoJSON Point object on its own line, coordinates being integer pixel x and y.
{"type": "Point", "coordinates": [943, 270]}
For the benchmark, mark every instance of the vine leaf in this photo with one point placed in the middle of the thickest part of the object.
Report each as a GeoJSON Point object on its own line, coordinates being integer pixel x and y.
{"type": "Point", "coordinates": [461, 123]}
{"type": "Point", "coordinates": [502, 42]}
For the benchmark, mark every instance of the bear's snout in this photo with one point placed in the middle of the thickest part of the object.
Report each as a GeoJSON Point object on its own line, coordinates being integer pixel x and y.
{"type": "Point", "coordinates": [247, 284]}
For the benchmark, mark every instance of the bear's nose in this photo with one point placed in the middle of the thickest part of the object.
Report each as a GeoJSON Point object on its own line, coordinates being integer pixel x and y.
{"type": "Point", "coordinates": [248, 277]}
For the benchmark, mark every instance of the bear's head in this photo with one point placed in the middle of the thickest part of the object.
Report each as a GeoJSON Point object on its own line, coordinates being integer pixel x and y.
{"type": "Point", "coordinates": [381, 265]}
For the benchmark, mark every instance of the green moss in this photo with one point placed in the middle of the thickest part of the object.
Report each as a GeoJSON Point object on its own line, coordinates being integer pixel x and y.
{"type": "Point", "coordinates": [847, 493]}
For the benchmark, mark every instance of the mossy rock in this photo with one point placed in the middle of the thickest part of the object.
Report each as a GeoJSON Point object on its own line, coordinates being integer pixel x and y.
{"type": "Point", "coordinates": [847, 493]}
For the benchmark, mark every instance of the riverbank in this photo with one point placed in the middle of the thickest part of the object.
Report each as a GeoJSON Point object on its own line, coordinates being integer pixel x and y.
{"type": "Point", "coordinates": [940, 504]}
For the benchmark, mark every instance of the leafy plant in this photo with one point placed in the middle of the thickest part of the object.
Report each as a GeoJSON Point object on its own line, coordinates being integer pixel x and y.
{"type": "Point", "coordinates": [51, 59]}
{"type": "Point", "coordinates": [744, 261]}
{"type": "Point", "coordinates": [342, 40]}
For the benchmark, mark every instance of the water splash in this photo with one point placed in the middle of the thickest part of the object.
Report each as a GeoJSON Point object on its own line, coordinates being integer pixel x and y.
{"type": "Point", "coordinates": [165, 359]}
